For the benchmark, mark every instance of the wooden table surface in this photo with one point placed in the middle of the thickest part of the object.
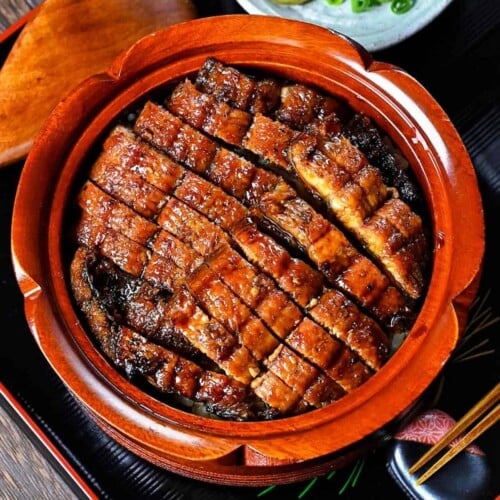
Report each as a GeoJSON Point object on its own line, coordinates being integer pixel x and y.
{"type": "Point", "coordinates": [24, 470]}
{"type": "Point", "coordinates": [12, 10]}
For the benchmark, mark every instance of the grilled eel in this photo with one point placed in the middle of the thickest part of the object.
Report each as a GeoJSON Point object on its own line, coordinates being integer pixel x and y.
{"type": "Point", "coordinates": [195, 253]}
{"type": "Point", "coordinates": [353, 189]}
{"type": "Point", "coordinates": [288, 215]}
{"type": "Point", "coordinates": [301, 107]}
{"type": "Point", "coordinates": [212, 201]}
{"type": "Point", "coordinates": [165, 370]}
{"type": "Point", "coordinates": [194, 191]}
{"type": "Point", "coordinates": [251, 331]}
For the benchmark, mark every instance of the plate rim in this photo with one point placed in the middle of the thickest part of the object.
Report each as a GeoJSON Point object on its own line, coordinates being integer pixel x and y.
{"type": "Point", "coordinates": [436, 8]}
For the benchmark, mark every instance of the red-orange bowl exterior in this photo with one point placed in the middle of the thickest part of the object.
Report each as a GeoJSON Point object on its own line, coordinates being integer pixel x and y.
{"type": "Point", "coordinates": [248, 453]}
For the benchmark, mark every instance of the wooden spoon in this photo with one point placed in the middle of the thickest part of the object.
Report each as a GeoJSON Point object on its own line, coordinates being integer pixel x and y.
{"type": "Point", "coordinates": [66, 42]}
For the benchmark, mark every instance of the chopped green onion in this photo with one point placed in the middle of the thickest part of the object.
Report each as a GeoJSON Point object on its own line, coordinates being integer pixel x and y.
{"type": "Point", "coordinates": [353, 474]}
{"type": "Point", "coordinates": [397, 6]}
{"type": "Point", "coordinates": [360, 5]}
{"type": "Point", "coordinates": [267, 490]}
{"type": "Point", "coordinates": [401, 6]}
{"type": "Point", "coordinates": [304, 492]}
{"type": "Point", "coordinates": [356, 477]}
{"type": "Point", "coordinates": [331, 474]}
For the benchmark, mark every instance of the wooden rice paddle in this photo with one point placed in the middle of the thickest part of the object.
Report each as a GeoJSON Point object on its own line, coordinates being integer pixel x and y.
{"type": "Point", "coordinates": [66, 42]}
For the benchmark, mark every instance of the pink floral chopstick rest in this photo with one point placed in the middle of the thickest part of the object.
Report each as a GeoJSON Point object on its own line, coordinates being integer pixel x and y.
{"type": "Point", "coordinates": [466, 477]}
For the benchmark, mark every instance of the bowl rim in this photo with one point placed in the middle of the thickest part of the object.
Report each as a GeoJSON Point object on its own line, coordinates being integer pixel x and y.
{"type": "Point", "coordinates": [174, 52]}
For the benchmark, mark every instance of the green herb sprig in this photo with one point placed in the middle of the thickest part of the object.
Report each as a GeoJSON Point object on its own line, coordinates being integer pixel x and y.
{"type": "Point", "coordinates": [350, 482]}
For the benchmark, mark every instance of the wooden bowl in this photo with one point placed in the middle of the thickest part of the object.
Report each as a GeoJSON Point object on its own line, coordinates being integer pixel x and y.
{"type": "Point", "coordinates": [297, 447]}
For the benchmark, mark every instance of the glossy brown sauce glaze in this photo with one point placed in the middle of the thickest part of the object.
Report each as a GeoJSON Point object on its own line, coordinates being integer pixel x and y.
{"type": "Point", "coordinates": [248, 247]}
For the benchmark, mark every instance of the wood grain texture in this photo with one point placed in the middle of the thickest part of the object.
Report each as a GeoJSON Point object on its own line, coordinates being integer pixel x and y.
{"type": "Point", "coordinates": [79, 38]}
{"type": "Point", "coordinates": [12, 10]}
{"type": "Point", "coordinates": [24, 471]}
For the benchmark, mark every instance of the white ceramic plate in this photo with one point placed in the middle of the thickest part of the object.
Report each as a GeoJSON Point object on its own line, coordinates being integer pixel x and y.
{"type": "Point", "coordinates": [375, 29]}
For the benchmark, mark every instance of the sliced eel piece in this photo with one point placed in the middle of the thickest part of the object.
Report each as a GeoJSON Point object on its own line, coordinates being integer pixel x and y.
{"type": "Point", "coordinates": [358, 331]}
{"type": "Point", "coordinates": [299, 224]}
{"type": "Point", "coordinates": [128, 187]}
{"type": "Point", "coordinates": [124, 147]}
{"type": "Point", "coordinates": [211, 201]}
{"type": "Point", "coordinates": [329, 354]}
{"type": "Point", "coordinates": [298, 375]}
{"type": "Point", "coordinates": [276, 393]}
{"type": "Point", "coordinates": [125, 253]}
{"type": "Point", "coordinates": [355, 192]}
{"type": "Point", "coordinates": [266, 96]}
{"type": "Point", "coordinates": [183, 143]}
{"type": "Point", "coordinates": [293, 275]}
{"type": "Point", "coordinates": [239, 90]}
{"type": "Point", "coordinates": [226, 307]}
{"type": "Point", "coordinates": [211, 338]}
{"type": "Point", "coordinates": [190, 227]}
{"type": "Point", "coordinates": [302, 106]}
{"type": "Point", "coordinates": [163, 273]}
{"type": "Point", "coordinates": [226, 83]}
{"type": "Point", "coordinates": [240, 177]}
{"type": "Point", "coordinates": [341, 175]}
{"type": "Point", "coordinates": [193, 149]}
{"type": "Point", "coordinates": [172, 248]}
{"type": "Point", "coordinates": [323, 391]}
{"type": "Point", "coordinates": [232, 173]}
{"type": "Point", "coordinates": [204, 112]}
{"type": "Point", "coordinates": [115, 214]}
{"type": "Point", "coordinates": [270, 140]}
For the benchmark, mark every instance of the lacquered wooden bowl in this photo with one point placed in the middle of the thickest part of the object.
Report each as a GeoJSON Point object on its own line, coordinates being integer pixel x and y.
{"type": "Point", "coordinates": [293, 448]}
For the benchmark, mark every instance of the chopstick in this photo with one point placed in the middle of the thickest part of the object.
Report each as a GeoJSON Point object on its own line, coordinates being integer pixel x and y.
{"type": "Point", "coordinates": [472, 415]}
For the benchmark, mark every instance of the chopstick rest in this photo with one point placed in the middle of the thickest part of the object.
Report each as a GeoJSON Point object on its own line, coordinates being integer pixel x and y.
{"type": "Point", "coordinates": [467, 476]}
